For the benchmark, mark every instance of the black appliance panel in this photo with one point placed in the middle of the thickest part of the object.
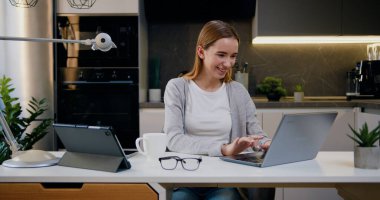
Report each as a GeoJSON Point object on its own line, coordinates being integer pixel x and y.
{"type": "Point", "coordinates": [365, 77]}
{"type": "Point", "coordinates": [369, 77]}
{"type": "Point", "coordinates": [198, 10]}
{"type": "Point", "coordinates": [101, 97]}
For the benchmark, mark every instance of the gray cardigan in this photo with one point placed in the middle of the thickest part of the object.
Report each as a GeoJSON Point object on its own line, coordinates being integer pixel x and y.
{"type": "Point", "coordinates": [243, 111]}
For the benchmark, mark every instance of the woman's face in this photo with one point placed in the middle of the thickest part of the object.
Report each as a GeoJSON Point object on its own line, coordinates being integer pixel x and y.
{"type": "Point", "coordinates": [219, 57]}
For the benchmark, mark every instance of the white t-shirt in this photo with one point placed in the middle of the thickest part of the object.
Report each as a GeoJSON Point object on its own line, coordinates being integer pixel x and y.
{"type": "Point", "coordinates": [208, 114]}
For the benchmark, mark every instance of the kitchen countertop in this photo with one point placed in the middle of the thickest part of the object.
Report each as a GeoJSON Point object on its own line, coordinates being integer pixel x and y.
{"type": "Point", "coordinates": [308, 102]}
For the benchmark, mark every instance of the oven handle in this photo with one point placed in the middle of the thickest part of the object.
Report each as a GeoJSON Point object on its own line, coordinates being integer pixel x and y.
{"type": "Point", "coordinates": [96, 82]}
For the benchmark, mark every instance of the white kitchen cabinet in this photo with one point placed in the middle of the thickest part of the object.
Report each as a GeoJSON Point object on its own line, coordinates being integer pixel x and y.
{"type": "Point", "coordinates": [101, 7]}
{"type": "Point", "coordinates": [372, 120]}
{"type": "Point", "coordinates": [151, 120]}
{"type": "Point", "coordinates": [271, 120]}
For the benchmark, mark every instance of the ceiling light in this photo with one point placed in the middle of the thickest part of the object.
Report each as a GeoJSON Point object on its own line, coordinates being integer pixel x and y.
{"type": "Point", "coordinates": [81, 4]}
{"type": "Point", "coordinates": [23, 3]}
{"type": "Point", "coordinates": [315, 39]}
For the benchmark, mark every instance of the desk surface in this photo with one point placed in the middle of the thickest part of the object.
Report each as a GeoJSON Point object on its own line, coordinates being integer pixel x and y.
{"type": "Point", "coordinates": [328, 167]}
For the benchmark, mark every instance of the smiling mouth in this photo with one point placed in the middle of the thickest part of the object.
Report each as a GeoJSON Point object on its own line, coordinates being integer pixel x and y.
{"type": "Point", "coordinates": [221, 69]}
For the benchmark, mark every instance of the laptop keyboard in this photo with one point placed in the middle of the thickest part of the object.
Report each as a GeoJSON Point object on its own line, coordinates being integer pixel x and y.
{"type": "Point", "coordinates": [256, 157]}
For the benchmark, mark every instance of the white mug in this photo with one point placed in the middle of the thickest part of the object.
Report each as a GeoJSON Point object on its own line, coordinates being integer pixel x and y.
{"type": "Point", "coordinates": [154, 145]}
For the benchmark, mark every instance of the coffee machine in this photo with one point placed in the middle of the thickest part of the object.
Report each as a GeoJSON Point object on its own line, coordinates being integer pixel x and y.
{"type": "Point", "coordinates": [363, 82]}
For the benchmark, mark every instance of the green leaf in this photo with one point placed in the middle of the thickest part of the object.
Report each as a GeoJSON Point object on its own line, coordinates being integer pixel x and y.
{"type": "Point", "coordinates": [19, 124]}
{"type": "Point", "coordinates": [364, 137]}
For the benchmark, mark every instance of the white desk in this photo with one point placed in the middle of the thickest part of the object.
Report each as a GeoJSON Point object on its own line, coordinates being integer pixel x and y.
{"type": "Point", "coordinates": [329, 169]}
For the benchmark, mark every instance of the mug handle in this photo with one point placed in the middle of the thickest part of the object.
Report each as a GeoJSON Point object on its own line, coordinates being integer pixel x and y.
{"type": "Point", "coordinates": [138, 146]}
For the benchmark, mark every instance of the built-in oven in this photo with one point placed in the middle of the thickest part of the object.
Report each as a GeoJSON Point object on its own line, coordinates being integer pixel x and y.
{"type": "Point", "coordinates": [100, 97]}
{"type": "Point", "coordinates": [94, 87]}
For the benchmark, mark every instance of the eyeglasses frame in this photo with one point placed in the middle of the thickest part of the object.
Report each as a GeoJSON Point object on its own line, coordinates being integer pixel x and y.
{"type": "Point", "coordinates": [178, 159]}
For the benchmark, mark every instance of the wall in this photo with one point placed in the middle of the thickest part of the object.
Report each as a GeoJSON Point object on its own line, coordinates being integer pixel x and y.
{"type": "Point", "coordinates": [29, 64]}
{"type": "Point", "coordinates": [321, 66]}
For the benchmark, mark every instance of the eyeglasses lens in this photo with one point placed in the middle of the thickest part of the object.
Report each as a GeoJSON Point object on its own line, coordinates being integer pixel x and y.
{"type": "Point", "coordinates": [170, 163]}
{"type": "Point", "coordinates": [190, 163]}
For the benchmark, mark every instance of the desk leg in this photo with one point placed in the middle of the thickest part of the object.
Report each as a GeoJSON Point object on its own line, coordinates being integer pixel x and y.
{"type": "Point", "coordinates": [163, 193]}
{"type": "Point", "coordinates": [359, 191]}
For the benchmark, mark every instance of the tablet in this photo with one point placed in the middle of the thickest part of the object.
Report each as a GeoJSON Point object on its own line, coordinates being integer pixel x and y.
{"type": "Point", "coordinates": [91, 147]}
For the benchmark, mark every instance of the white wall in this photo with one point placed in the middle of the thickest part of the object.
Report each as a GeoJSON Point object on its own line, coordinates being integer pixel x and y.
{"type": "Point", "coordinates": [2, 30]}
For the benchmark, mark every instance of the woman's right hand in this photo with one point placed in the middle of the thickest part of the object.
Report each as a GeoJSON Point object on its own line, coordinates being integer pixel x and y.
{"type": "Point", "coordinates": [239, 145]}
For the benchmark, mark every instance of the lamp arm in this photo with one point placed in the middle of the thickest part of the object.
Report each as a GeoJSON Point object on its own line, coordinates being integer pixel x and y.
{"type": "Point", "coordinates": [9, 138]}
{"type": "Point", "coordinates": [102, 41]}
{"type": "Point", "coordinates": [85, 42]}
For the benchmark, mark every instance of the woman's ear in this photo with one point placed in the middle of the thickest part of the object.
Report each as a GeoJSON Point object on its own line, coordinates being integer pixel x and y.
{"type": "Point", "coordinates": [200, 52]}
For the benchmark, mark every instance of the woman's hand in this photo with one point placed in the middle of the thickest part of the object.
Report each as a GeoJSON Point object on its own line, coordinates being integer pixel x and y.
{"type": "Point", "coordinates": [266, 145]}
{"type": "Point", "coordinates": [240, 144]}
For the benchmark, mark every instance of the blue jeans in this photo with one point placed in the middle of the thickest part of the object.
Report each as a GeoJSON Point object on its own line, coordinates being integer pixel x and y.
{"type": "Point", "coordinates": [205, 193]}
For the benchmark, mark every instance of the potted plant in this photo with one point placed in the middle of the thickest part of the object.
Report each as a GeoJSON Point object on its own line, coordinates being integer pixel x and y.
{"type": "Point", "coordinates": [272, 87]}
{"type": "Point", "coordinates": [154, 80]}
{"type": "Point", "coordinates": [298, 93]}
{"type": "Point", "coordinates": [18, 124]}
{"type": "Point", "coordinates": [366, 153]}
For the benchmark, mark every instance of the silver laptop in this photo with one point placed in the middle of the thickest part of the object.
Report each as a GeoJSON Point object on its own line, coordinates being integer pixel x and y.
{"type": "Point", "coordinates": [299, 137]}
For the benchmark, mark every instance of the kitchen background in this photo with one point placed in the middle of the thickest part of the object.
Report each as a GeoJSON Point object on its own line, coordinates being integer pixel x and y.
{"type": "Point", "coordinates": [168, 33]}
{"type": "Point", "coordinates": [321, 67]}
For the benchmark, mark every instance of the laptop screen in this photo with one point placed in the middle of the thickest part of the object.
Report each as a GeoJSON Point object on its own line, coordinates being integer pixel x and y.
{"type": "Point", "coordinates": [299, 137]}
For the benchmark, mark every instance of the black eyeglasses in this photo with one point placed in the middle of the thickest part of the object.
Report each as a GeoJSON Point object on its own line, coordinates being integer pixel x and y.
{"type": "Point", "coordinates": [170, 162]}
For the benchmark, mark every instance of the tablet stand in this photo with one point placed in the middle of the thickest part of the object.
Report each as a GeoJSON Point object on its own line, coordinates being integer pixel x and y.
{"type": "Point", "coordinates": [94, 161]}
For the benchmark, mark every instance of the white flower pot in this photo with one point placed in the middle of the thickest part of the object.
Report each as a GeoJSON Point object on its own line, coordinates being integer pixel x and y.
{"type": "Point", "coordinates": [154, 95]}
{"type": "Point", "coordinates": [367, 157]}
{"type": "Point", "coordinates": [298, 96]}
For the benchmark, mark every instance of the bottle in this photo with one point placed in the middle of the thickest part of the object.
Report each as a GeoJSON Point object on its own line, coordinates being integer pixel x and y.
{"type": "Point", "coordinates": [245, 75]}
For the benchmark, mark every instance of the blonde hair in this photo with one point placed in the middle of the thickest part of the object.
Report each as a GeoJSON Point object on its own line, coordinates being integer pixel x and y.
{"type": "Point", "coordinates": [210, 33]}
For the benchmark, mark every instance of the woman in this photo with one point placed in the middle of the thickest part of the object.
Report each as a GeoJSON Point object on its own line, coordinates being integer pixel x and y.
{"type": "Point", "coordinates": [206, 112]}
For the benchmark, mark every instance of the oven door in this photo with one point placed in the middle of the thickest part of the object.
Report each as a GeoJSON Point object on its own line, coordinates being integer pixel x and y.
{"type": "Point", "coordinates": [101, 103]}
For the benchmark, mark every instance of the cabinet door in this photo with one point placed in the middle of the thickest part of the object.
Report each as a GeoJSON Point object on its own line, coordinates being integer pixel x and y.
{"type": "Point", "coordinates": [298, 17]}
{"type": "Point", "coordinates": [311, 194]}
{"type": "Point", "coordinates": [271, 121]}
{"type": "Point", "coordinates": [360, 17]}
{"type": "Point", "coordinates": [93, 191]}
{"type": "Point", "coordinates": [372, 121]}
{"type": "Point", "coordinates": [152, 120]}
{"type": "Point", "coordinates": [337, 139]}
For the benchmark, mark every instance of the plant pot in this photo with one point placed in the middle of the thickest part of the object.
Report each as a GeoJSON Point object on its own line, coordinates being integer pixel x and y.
{"type": "Point", "coordinates": [367, 157]}
{"type": "Point", "coordinates": [298, 96]}
{"type": "Point", "coordinates": [273, 97]}
{"type": "Point", "coordinates": [154, 95]}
